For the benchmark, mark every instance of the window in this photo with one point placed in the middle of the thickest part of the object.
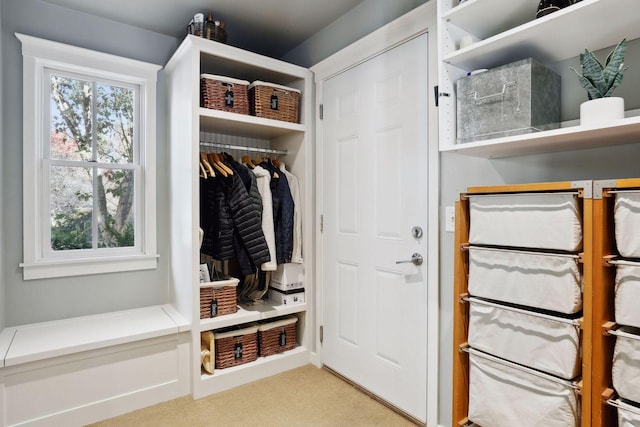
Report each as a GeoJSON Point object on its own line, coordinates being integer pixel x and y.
{"type": "Point", "coordinates": [89, 161]}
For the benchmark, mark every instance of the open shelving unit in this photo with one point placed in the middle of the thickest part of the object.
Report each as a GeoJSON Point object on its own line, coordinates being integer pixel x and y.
{"type": "Point", "coordinates": [505, 31]}
{"type": "Point", "coordinates": [187, 122]}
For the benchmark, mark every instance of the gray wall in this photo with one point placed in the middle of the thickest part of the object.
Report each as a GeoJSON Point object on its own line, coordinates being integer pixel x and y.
{"type": "Point", "coordinates": [41, 300]}
{"type": "Point", "coordinates": [366, 17]}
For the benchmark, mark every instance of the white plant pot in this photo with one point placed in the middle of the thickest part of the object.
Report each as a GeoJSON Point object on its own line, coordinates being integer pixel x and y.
{"type": "Point", "coordinates": [601, 110]}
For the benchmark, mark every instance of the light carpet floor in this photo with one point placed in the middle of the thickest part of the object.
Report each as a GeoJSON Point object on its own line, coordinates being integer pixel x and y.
{"type": "Point", "coordinates": [305, 396]}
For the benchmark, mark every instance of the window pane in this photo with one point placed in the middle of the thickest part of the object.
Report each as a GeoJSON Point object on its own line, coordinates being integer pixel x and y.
{"type": "Point", "coordinates": [116, 208]}
{"type": "Point", "coordinates": [71, 204]}
{"type": "Point", "coordinates": [70, 119]}
{"type": "Point", "coordinates": [115, 124]}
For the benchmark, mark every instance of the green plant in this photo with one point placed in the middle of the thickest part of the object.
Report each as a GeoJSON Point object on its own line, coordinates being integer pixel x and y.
{"type": "Point", "coordinates": [601, 80]}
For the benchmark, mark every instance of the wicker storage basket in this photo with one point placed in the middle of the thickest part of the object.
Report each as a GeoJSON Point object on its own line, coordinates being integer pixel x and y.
{"type": "Point", "coordinates": [273, 101]}
{"type": "Point", "coordinates": [218, 298]}
{"type": "Point", "coordinates": [277, 336]}
{"type": "Point", "coordinates": [224, 93]}
{"type": "Point", "coordinates": [235, 347]}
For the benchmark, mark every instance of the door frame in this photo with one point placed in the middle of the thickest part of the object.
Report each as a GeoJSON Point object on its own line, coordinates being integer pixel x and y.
{"type": "Point", "coordinates": [414, 23]}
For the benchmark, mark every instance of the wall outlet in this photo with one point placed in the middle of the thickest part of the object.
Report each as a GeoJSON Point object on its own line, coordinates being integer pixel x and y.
{"type": "Point", "coordinates": [450, 219]}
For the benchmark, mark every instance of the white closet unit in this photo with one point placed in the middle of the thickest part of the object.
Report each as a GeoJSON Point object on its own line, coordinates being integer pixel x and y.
{"type": "Point", "coordinates": [505, 31]}
{"type": "Point", "coordinates": [188, 122]}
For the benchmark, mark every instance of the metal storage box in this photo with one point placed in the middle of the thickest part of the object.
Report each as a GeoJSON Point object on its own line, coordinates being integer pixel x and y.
{"type": "Point", "coordinates": [517, 98]}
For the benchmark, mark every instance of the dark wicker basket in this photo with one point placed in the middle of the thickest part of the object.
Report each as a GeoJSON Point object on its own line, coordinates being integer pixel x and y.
{"type": "Point", "coordinates": [277, 336]}
{"type": "Point", "coordinates": [236, 347]}
{"type": "Point", "coordinates": [218, 299]}
{"type": "Point", "coordinates": [272, 101]}
{"type": "Point", "coordinates": [224, 93]}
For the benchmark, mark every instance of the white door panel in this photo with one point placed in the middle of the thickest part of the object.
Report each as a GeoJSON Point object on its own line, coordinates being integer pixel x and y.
{"type": "Point", "coordinates": [374, 191]}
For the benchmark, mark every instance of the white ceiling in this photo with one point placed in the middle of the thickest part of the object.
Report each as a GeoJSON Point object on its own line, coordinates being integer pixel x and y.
{"type": "Point", "coordinates": [269, 27]}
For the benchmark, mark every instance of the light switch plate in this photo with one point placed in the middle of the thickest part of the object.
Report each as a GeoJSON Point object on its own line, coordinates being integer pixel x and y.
{"type": "Point", "coordinates": [450, 219]}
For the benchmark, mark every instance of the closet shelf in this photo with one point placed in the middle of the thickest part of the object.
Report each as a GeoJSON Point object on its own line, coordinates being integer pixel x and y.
{"type": "Point", "coordinates": [263, 367]}
{"type": "Point", "coordinates": [533, 37]}
{"type": "Point", "coordinates": [244, 125]}
{"type": "Point", "coordinates": [625, 131]}
{"type": "Point", "coordinates": [251, 313]}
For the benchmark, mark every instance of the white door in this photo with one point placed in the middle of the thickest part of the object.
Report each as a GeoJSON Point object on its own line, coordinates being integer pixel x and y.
{"type": "Point", "coordinates": [374, 195]}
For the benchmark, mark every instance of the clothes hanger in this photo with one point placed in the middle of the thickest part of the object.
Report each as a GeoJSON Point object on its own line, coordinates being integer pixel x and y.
{"type": "Point", "coordinates": [215, 165]}
{"type": "Point", "coordinates": [219, 158]}
{"type": "Point", "coordinates": [204, 161]}
{"type": "Point", "coordinates": [247, 161]}
{"type": "Point", "coordinates": [203, 171]}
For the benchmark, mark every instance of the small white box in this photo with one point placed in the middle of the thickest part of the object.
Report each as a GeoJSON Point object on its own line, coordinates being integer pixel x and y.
{"type": "Point", "coordinates": [287, 298]}
{"type": "Point", "coordinates": [288, 277]}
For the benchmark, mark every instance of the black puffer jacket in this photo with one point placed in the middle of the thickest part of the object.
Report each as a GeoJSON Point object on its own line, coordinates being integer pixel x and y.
{"type": "Point", "coordinates": [282, 214]}
{"type": "Point", "coordinates": [247, 221]}
{"type": "Point", "coordinates": [231, 223]}
{"type": "Point", "coordinates": [216, 220]}
{"type": "Point", "coordinates": [249, 258]}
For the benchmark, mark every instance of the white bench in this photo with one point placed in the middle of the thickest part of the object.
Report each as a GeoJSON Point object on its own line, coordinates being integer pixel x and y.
{"type": "Point", "coordinates": [84, 369]}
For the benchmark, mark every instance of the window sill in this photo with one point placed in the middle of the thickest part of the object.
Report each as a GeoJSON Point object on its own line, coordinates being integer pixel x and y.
{"type": "Point", "coordinates": [79, 267]}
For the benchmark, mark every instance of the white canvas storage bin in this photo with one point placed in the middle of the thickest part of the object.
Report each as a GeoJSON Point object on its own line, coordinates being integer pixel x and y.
{"type": "Point", "coordinates": [628, 414]}
{"type": "Point", "coordinates": [528, 220]}
{"type": "Point", "coordinates": [503, 394]}
{"type": "Point", "coordinates": [626, 364]}
{"type": "Point", "coordinates": [627, 295]}
{"type": "Point", "coordinates": [546, 281]}
{"type": "Point", "coordinates": [546, 343]}
{"type": "Point", "coordinates": [626, 213]}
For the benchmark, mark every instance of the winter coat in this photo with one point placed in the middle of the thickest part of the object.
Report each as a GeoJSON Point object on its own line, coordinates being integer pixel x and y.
{"type": "Point", "coordinates": [251, 247]}
{"type": "Point", "coordinates": [294, 186]}
{"type": "Point", "coordinates": [283, 207]}
{"type": "Point", "coordinates": [263, 178]}
{"type": "Point", "coordinates": [232, 222]}
{"type": "Point", "coordinates": [216, 220]}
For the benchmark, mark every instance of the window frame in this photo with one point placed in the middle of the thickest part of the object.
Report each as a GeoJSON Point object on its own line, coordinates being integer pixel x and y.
{"type": "Point", "coordinates": [40, 58]}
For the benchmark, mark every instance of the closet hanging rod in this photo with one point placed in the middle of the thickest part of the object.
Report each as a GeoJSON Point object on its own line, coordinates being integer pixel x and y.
{"type": "Point", "coordinates": [570, 321]}
{"type": "Point", "coordinates": [553, 254]}
{"type": "Point", "coordinates": [243, 148]}
{"type": "Point", "coordinates": [522, 368]}
{"type": "Point", "coordinates": [622, 405]}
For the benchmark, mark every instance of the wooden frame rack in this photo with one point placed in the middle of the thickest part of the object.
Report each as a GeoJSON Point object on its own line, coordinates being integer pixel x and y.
{"type": "Point", "coordinates": [460, 404]}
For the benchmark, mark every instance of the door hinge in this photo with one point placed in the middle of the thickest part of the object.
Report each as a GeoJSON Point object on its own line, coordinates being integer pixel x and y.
{"type": "Point", "coordinates": [321, 334]}
{"type": "Point", "coordinates": [321, 111]}
{"type": "Point", "coordinates": [321, 223]}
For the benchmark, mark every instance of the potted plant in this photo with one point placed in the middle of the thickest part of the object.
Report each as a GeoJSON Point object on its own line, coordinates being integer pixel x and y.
{"type": "Point", "coordinates": [600, 80]}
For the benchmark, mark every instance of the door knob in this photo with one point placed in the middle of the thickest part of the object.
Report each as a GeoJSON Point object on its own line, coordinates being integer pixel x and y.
{"type": "Point", "coordinates": [416, 259]}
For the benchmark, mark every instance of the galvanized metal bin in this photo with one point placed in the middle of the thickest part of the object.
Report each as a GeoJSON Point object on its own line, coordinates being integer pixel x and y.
{"type": "Point", "coordinates": [517, 98]}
